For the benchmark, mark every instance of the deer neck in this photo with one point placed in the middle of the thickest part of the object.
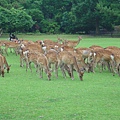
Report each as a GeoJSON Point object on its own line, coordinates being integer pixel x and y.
{"type": "Point", "coordinates": [79, 39]}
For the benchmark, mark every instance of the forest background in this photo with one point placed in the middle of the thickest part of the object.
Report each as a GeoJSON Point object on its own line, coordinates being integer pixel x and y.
{"type": "Point", "coordinates": [60, 16]}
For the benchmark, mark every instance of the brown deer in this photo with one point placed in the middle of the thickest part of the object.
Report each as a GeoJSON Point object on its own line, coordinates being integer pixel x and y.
{"type": "Point", "coordinates": [52, 60]}
{"type": "Point", "coordinates": [117, 63]}
{"type": "Point", "coordinates": [65, 58]}
{"type": "Point", "coordinates": [87, 54]}
{"type": "Point", "coordinates": [11, 45]}
{"type": "Point", "coordinates": [42, 63]}
{"type": "Point", "coordinates": [3, 64]}
{"type": "Point", "coordinates": [104, 57]}
{"type": "Point", "coordinates": [31, 57]}
{"type": "Point", "coordinates": [115, 50]}
{"type": "Point", "coordinates": [72, 43]}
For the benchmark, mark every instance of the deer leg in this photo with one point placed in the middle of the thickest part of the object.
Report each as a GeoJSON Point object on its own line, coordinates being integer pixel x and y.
{"type": "Point", "coordinates": [71, 71]}
{"type": "Point", "coordinates": [56, 69]}
{"type": "Point", "coordinates": [94, 66]}
{"type": "Point", "coordinates": [30, 66]}
{"type": "Point", "coordinates": [36, 67]}
{"type": "Point", "coordinates": [27, 64]}
{"type": "Point", "coordinates": [113, 67]}
{"type": "Point", "coordinates": [68, 70]}
{"type": "Point", "coordinates": [40, 71]}
{"type": "Point", "coordinates": [100, 66]}
{"type": "Point", "coordinates": [21, 62]}
{"type": "Point", "coordinates": [118, 70]}
{"type": "Point", "coordinates": [63, 71]}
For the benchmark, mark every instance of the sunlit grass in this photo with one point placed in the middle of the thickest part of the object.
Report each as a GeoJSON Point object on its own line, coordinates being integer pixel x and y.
{"type": "Point", "coordinates": [24, 96]}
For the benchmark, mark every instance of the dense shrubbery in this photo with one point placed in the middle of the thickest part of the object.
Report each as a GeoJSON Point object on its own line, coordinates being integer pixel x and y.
{"type": "Point", "coordinates": [59, 16]}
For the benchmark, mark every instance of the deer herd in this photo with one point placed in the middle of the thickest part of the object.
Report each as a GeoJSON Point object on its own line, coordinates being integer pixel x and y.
{"type": "Point", "coordinates": [49, 56]}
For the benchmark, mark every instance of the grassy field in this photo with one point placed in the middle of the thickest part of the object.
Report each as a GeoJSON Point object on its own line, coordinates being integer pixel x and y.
{"type": "Point", "coordinates": [24, 96]}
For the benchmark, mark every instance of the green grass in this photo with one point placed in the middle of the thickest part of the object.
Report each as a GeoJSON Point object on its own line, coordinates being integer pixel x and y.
{"type": "Point", "coordinates": [24, 96]}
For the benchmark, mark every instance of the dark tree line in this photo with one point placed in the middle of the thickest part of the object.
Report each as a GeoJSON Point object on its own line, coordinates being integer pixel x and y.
{"type": "Point", "coordinates": [59, 16]}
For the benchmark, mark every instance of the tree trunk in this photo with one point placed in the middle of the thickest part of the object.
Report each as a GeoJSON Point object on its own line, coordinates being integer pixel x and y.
{"type": "Point", "coordinates": [1, 32]}
{"type": "Point", "coordinates": [97, 27]}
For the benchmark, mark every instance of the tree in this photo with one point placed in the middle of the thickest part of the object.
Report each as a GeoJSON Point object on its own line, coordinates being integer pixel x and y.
{"type": "Point", "coordinates": [111, 13]}
{"type": "Point", "coordinates": [15, 20]}
{"type": "Point", "coordinates": [68, 22]}
{"type": "Point", "coordinates": [69, 16]}
{"type": "Point", "coordinates": [50, 27]}
{"type": "Point", "coordinates": [37, 17]}
{"type": "Point", "coordinates": [87, 16]}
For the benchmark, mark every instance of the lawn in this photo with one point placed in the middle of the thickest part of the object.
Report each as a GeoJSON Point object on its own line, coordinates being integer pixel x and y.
{"type": "Point", "coordinates": [24, 96]}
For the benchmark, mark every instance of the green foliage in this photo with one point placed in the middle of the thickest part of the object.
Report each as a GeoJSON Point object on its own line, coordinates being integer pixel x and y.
{"type": "Point", "coordinates": [68, 22]}
{"type": "Point", "coordinates": [111, 11]}
{"type": "Point", "coordinates": [71, 16]}
{"type": "Point", "coordinates": [37, 17]}
{"type": "Point", "coordinates": [15, 20]}
{"type": "Point", "coordinates": [49, 27]}
{"type": "Point", "coordinates": [4, 18]}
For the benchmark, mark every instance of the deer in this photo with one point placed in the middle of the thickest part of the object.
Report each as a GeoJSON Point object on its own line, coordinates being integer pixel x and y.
{"type": "Point", "coordinates": [42, 63]}
{"type": "Point", "coordinates": [115, 50]}
{"type": "Point", "coordinates": [31, 57]}
{"type": "Point", "coordinates": [11, 45]}
{"type": "Point", "coordinates": [117, 63]}
{"type": "Point", "coordinates": [32, 47]}
{"type": "Point", "coordinates": [87, 53]}
{"type": "Point", "coordinates": [72, 43]}
{"type": "Point", "coordinates": [52, 60]}
{"type": "Point", "coordinates": [104, 57]}
{"type": "Point", "coordinates": [96, 47]}
{"type": "Point", "coordinates": [25, 49]}
{"type": "Point", "coordinates": [3, 64]}
{"type": "Point", "coordinates": [65, 58]}
{"type": "Point", "coordinates": [78, 55]}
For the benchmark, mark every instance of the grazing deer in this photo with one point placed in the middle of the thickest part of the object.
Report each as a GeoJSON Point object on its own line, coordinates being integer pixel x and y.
{"type": "Point", "coordinates": [42, 63]}
{"type": "Point", "coordinates": [78, 55]}
{"type": "Point", "coordinates": [52, 60]}
{"type": "Point", "coordinates": [87, 54]}
{"type": "Point", "coordinates": [65, 58]}
{"type": "Point", "coordinates": [31, 57]}
{"type": "Point", "coordinates": [104, 57]}
{"type": "Point", "coordinates": [117, 63]}
{"type": "Point", "coordinates": [3, 64]}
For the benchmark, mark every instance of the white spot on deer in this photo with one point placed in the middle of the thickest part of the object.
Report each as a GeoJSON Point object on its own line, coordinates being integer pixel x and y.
{"type": "Point", "coordinates": [25, 52]}
{"type": "Point", "coordinates": [112, 57]}
{"type": "Point", "coordinates": [94, 54]}
{"type": "Point", "coordinates": [61, 49]}
{"type": "Point", "coordinates": [91, 54]}
{"type": "Point", "coordinates": [75, 51]}
{"type": "Point", "coordinates": [42, 43]}
{"type": "Point", "coordinates": [44, 48]}
{"type": "Point", "coordinates": [22, 46]}
{"type": "Point", "coordinates": [56, 46]}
